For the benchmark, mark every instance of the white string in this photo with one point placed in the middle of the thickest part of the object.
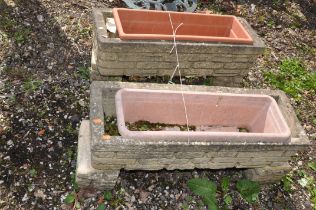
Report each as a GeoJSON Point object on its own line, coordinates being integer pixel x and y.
{"type": "Point", "coordinates": [174, 47]}
{"type": "Point", "coordinates": [178, 68]}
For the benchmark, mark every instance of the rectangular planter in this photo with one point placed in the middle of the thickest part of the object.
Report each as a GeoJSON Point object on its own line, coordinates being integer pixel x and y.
{"type": "Point", "coordinates": [101, 157]}
{"type": "Point", "coordinates": [155, 25]}
{"type": "Point", "coordinates": [258, 114]}
{"type": "Point", "coordinates": [226, 63]}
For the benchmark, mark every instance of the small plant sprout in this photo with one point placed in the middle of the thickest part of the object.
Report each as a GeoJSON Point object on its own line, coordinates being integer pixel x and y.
{"type": "Point", "coordinates": [84, 72]}
{"type": "Point", "coordinates": [312, 165]}
{"type": "Point", "coordinates": [33, 172]}
{"type": "Point", "coordinates": [225, 187]}
{"type": "Point", "coordinates": [72, 199]}
{"type": "Point", "coordinates": [206, 189]}
{"type": "Point", "coordinates": [101, 207]}
{"type": "Point", "coordinates": [308, 182]}
{"type": "Point", "coordinates": [287, 182]}
{"type": "Point", "coordinates": [107, 195]}
{"type": "Point", "coordinates": [248, 189]}
{"type": "Point", "coordinates": [32, 85]}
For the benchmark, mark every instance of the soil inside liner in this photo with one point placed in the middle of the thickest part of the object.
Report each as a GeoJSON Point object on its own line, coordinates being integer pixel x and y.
{"type": "Point", "coordinates": [111, 129]}
{"type": "Point", "coordinates": [148, 126]}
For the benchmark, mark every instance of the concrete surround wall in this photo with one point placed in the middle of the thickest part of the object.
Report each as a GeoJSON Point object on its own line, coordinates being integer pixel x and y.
{"type": "Point", "coordinates": [100, 159]}
{"type": "Point", "coordinates": [226, 63]}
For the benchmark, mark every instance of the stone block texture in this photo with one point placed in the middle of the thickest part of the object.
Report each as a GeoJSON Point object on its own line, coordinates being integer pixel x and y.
{"type": "Point", "coordinates": [86, 175]}
{"type": "Point", "coordinates": [268, 173]}
{"type": "Point", "coordinates": [265, 162]}
{"type": "Point", "coordinates": [226, 63]}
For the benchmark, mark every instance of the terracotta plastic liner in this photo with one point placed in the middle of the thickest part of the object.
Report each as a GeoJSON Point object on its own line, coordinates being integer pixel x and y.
{"type": "Point", "coordinates": [155, 25]}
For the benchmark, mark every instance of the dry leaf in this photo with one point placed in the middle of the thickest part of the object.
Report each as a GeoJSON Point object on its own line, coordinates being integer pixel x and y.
{"type": "Point", "coordinates": [143, 196]}
{"type": "Point", "coordinates": [41, 132]}
{"type": "Point", "coordinates": [39, 194]}
{"type": "Point", "coordinates": [206, 11]}
{"type": "Point", "coordinates": [87, 192]}
{"type": "Point", "coordinates": [101, 199]}
{"type": "Point", "coordinates": [97, 121]}
{"type": "Point", "coordinates": [24, 166]}
{"type": "Point", "coordinates": [106, 137]}
{"type": "Point", "coordinates": [129, 206]}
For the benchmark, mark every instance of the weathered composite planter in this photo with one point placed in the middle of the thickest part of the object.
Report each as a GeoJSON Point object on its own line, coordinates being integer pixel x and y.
{"type": "Point", "coordinates": [258, 114]}
{"type": "Point", "coordinates": [226, 63]}
{"type": "Point", "coordinates": [155, 25]}
{"type": "Point", "coordinates": [101, 158]}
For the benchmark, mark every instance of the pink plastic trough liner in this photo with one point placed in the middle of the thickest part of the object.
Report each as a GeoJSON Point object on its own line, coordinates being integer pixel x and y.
{"type": "Point", "coordinates": [259, 114]}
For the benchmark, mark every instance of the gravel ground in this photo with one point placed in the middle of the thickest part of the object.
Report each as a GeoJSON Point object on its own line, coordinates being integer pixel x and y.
{"type": "Point", "coordinates": [45, 51]}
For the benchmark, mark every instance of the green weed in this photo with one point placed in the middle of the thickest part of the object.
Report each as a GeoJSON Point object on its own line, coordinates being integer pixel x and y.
{"type": "Point", "coordinates": [261, 19]}
{"type": "Point", "coordinates": [32, 85]}
{"type": "Point", "coordinates": [14, 73]}
{"type": "Point", "coordinates": [292, 78]}
{"type": "Point", "coordinates": [84, 72]}
{"type": "Point", "coordinates": [70, 154]}
{"type": "Point", "coordinates": [7, 23]}
{"type": "Point", "coordinates": [114, 200]}
{"type": "Point", "coordinates": [101, 207]}
{"type": "Point", "coordinates": [308, 182]}
{"type": "Point", "coordinates": [74, 182]}
{"type": "Point", "coordinates": [33, 172]}
{"type": "Point", "coordinates": [225, 187]}
{"type": "Point", "coordinates": [287, 182]}
{"type": "Point", "coordinates": [277, 3]}
{"type": "Point", "coordinates": [271, 23]}
{"type": "Point", "coordinates": [248, 189]}
{"type": "Point", "coordinates": [72, 199]}
{"type": "Point", "coordinates": [208, 81]}
{"type": "Point", "coordinates": [312, 165]}
{"type": "Point", "coordinates": [206, 189]}
{"type": "Point", "coordinates": [304, 48]}
{"type": "Point", "coordinates": [107, 195]}
{"type": "Point", "coordinates": [21, 35]}
{"type": "Point", "coordinates": [70, 130]}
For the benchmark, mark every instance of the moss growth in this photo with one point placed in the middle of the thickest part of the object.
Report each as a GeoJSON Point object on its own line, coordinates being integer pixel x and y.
{"type": "Point", "coordinates": [243, 130]}
{"type": "Point", "coordinates": [110, 126]}
{"type": "Point", "coordinates": [148, 126]}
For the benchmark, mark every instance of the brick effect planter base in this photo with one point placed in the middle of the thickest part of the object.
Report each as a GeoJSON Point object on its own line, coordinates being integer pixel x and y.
{"type": "Point", "coordinates": [226, 63]}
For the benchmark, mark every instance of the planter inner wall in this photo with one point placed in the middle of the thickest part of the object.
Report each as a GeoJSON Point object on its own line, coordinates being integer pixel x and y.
{"type": "Point", "coordinates": [148, 24]}
{"type": "Point", "coordinates": [259, 114]}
